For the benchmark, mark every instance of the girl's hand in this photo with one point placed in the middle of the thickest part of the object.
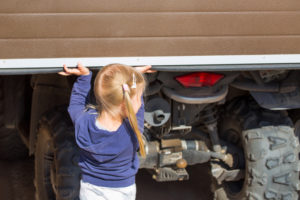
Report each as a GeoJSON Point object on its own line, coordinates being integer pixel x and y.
{"type": "Point", "coordinates": [80, 70]}
{"type": "Point", "coordinates": [145, 69]}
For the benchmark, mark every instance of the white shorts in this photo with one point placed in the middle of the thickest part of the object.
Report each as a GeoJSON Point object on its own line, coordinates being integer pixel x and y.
{"type": "Point", "coordinates": [92, 192]}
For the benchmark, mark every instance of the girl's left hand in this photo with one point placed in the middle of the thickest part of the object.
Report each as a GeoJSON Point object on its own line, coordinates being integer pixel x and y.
{"type": "Point", "coordinates": [145, 69]}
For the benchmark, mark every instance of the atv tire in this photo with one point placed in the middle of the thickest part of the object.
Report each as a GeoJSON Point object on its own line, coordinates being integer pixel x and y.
{"type": "Point", "coordinates": [57, 175]}
{"type": "Point", "coordinates": [270, 153]}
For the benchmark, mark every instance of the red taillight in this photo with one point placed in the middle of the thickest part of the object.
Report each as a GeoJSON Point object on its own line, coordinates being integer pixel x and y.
{"type": "Point", "coordinates": [199, 79]}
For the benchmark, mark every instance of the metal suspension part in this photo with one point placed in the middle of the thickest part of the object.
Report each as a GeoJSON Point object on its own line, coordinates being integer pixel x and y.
{"type": "Point", "coordinates": [209, 120]}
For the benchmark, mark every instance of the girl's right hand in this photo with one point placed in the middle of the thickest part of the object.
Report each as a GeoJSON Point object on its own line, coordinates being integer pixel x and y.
{"type": "Point", "coordinates": [80, 70]}
{"type": "Point", "coordinates": [145, 69]}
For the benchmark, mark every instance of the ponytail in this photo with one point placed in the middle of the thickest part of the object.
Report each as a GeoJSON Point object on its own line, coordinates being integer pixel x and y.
{"type": "Point", "coordinates": [133, 120]}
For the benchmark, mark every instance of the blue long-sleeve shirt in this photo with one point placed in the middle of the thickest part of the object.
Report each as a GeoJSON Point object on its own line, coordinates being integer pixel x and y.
{"type": "Point", "coordinates": [107, 158]}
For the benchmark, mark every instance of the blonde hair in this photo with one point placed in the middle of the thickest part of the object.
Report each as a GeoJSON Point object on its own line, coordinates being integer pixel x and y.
{"type": "Point", "coordinates": [110, 94]}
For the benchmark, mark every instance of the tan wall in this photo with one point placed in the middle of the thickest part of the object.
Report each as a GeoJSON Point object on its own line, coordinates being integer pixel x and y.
{"type": "Point", "coordinates": [95, 28]}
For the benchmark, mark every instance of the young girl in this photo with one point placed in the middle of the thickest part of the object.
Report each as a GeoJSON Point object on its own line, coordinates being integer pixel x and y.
{"type": "Point", "coordinates": [110, 135]}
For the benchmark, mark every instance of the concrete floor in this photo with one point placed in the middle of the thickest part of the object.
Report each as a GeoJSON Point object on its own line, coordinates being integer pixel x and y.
{"type": "Point", "coordinates": [16, 183]}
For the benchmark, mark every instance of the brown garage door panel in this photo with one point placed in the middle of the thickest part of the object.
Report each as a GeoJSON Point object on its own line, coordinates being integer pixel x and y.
{"type": "Point", "coordinates": [62, 6]}
{"type": "Point", "coordinates": [36, 48]}
{"type": "Point", "coordinates": [148, 24]}
{"type": "Point", "coordinates": [105, 28]}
